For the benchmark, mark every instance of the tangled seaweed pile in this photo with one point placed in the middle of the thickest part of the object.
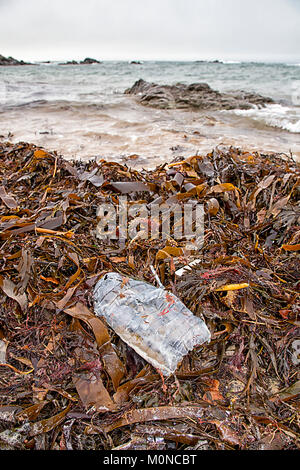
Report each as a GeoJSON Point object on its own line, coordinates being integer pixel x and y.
{"type": "Point", "coordinates": [68, 382]}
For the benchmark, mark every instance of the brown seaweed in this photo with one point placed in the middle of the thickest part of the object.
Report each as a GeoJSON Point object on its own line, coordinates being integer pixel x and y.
{"type": "Point", "coordinates": [66, 377]}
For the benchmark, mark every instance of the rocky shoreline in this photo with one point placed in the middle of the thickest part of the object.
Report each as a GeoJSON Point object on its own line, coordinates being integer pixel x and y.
{"type": "Point", "coordinates": [194, 96]}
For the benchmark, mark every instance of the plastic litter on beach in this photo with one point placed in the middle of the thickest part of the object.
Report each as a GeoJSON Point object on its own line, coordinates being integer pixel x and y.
{"type": "Point", "coordinates": [70, 380]}
{"type": "Point", "coordinates": [152, 321]}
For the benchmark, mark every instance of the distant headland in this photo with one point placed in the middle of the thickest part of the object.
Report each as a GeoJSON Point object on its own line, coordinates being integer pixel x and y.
{"type": "Point", "coordinates": [12, 61]}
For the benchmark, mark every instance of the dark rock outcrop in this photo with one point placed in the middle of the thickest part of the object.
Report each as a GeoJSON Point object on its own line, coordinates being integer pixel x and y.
{"type": "Point", "coordinates": [11, 61]}
{"type": "Point", "coordinates": [87, 61]}
{"type": "Point", "coordinates": [195, 96]}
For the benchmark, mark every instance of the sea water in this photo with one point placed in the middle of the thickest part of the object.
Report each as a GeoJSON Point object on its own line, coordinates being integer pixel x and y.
{"type": "Point", "coordinates": [81, 111]}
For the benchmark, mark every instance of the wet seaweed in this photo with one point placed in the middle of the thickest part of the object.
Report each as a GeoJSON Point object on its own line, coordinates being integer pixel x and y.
{"type": "Point", "coordinates": [67, 381]}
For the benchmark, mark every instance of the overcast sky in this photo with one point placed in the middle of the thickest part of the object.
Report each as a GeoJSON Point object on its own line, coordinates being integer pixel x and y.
{"type": "Point", "coordinates": [151, 29]}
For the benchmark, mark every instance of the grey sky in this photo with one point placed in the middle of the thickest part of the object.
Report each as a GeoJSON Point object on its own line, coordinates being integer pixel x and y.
{"type": "Point", "coordinates": [151, 29]}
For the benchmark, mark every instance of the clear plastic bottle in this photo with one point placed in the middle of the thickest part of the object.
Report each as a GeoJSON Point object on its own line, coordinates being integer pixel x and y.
{"type": "Point", "coordinates": [155, 323]}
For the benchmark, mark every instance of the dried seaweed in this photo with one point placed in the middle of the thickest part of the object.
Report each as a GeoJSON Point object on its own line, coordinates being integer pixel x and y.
{"type": "Point", "coordinates": [69, 382]}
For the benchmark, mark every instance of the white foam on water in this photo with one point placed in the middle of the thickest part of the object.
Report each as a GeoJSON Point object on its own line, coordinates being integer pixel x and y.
{"type": "Point", "coordinates": [231, 62]}
{"type": "Point", "coordinates": [274, 115]}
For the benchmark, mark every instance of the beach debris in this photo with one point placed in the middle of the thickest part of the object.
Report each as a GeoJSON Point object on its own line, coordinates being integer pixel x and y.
{"type": "Point", "coordinates": [11, 61]}
{"type": "Point", "coordinates": [187, 268]}
{"type": "Point", "coordinates": [3, 348]}
{"type": "Point", "coordinates": [150, 320]}
{"type": "Point", "coordinates": [69, 381]}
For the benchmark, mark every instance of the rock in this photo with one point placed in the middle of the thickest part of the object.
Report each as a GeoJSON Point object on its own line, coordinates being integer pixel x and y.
{"type": "Point", "coordinates": [194, 96]}
{"type": "Point", "coordinates": [136, 62]}
{"type": "Point", "coordinates": [70, 62]}
{"type": "Point", "coordinates": [11, 61]}
{"type": "Point", "coordinates": [89, 61]}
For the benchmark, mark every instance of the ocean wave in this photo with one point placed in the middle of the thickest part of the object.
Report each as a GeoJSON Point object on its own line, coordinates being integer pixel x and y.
{"type": "Point", "coordinates": [274, 115]}
{"type": "Point", "coordinates": [231, 62]}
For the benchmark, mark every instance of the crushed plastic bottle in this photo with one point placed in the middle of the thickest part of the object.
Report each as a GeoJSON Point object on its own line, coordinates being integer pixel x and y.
{"type": "Point", "coordinates": [152, 321]}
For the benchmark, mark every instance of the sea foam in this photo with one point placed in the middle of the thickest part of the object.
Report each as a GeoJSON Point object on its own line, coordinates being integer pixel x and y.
{"type": "Point", "coordinates": [274, 115]}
